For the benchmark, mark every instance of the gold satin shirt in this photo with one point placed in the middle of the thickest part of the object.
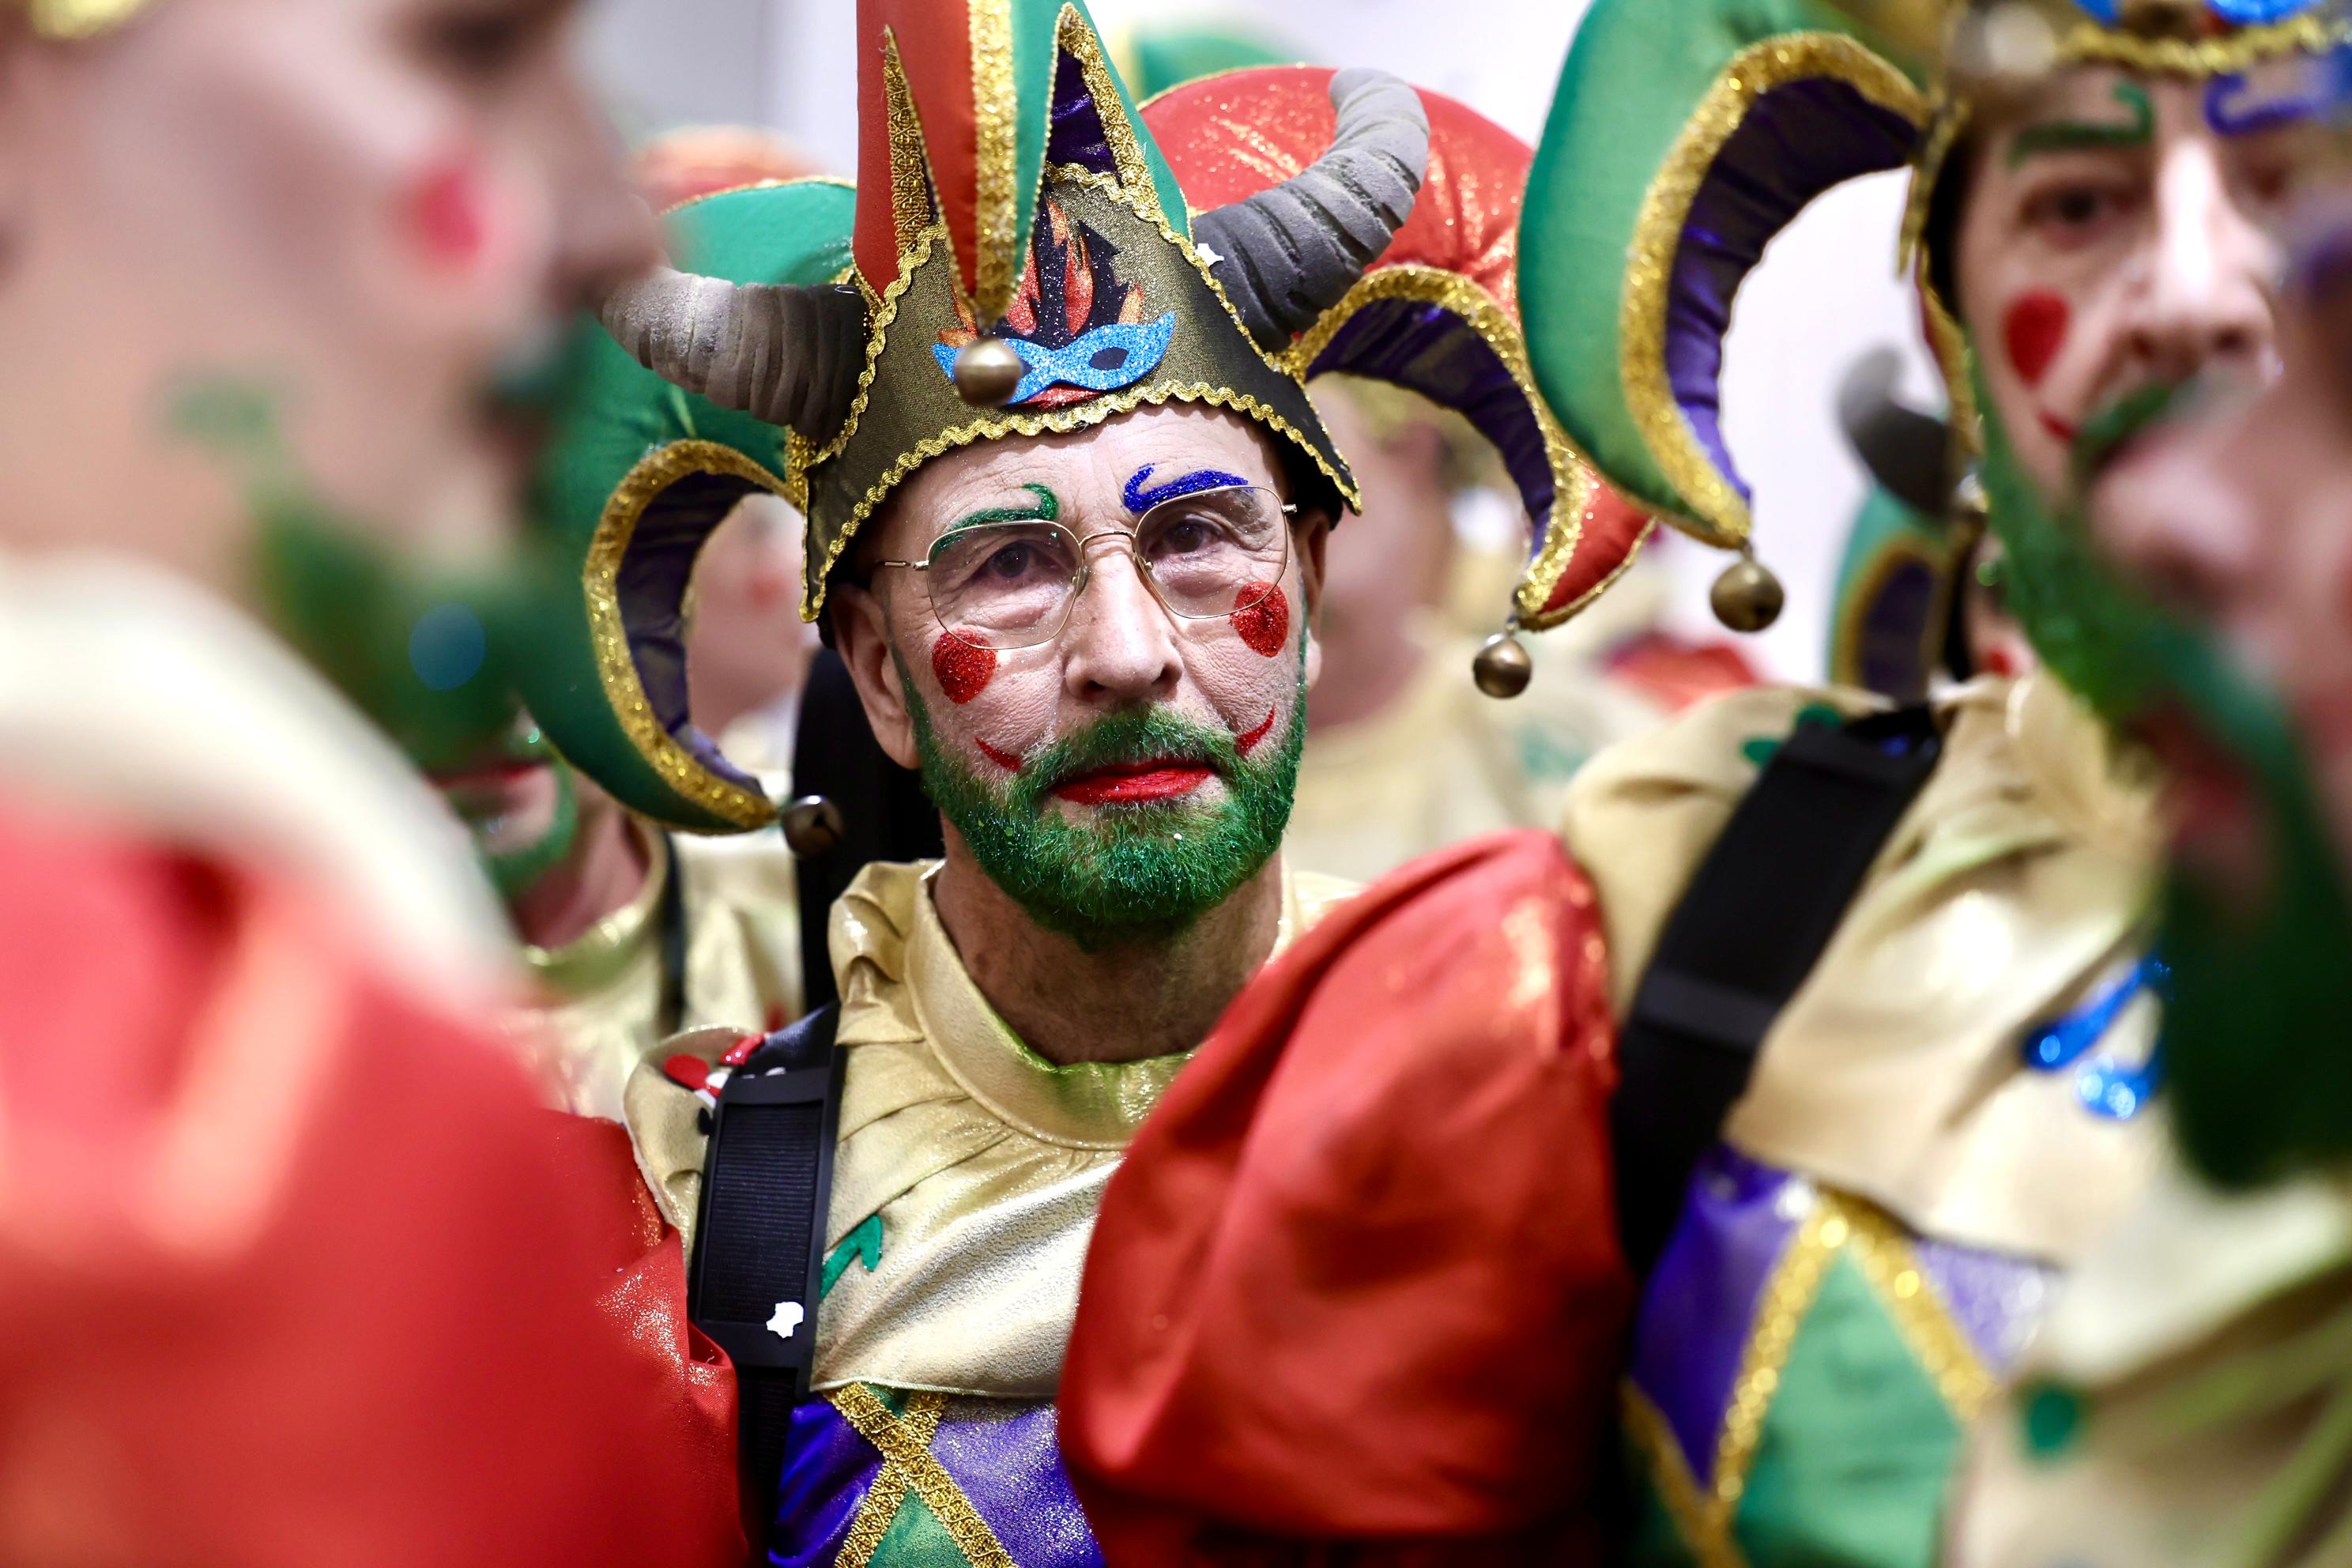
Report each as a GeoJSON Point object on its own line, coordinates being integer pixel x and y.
{"type": "Point", "coordinates": [983, 1162]}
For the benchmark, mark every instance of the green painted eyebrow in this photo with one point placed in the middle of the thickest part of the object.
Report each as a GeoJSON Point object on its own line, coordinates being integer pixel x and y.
{"type": "Point", "coordinates": [1047, 509]}
{"type": "Point", "coordinates": [2073, 135]}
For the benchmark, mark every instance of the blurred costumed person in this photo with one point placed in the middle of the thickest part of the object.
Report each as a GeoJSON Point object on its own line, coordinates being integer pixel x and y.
{"type": "Point", "coordinates": [281, 280]}
{"type": "Point", "coordinates": [1039, 387]}
{"type": "Point", "coordinates": [2187, 1403]}
{"type": "Point", "coordinates": [1402, 756]}
{"type": "Point", "coordinates": [1884, 975]}
{"type": "Point", "coordinates": [631, 933]}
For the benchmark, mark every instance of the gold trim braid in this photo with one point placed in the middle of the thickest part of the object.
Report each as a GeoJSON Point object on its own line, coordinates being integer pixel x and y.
{"type": "Point", "coordinates": [910, 172]}
{"type": "Point", "coordinates": [616, 667]}
{"type": "Point", "coordinates": [2089, 43]}
{"type": "Point", "coordinates": [1884, 1250]}
{"type": "Point", "coordinates": [1702, 1527]}
{"type": "Point", "coordinates": [1078, 40]}
{"type": "Point", "coordinates": [908, 1464]}
{"type": "Point", "coordinates": [1718, 514]}
{"type": "Point", "coordinates": [996, 219]}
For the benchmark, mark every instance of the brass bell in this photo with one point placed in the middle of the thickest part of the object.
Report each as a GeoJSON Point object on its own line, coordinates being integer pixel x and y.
{"type": "Point", "coordinates": [987, 371]}
{"type": "Point", "coordinates": [812, 826]}
{"type": "Point", "coordinates": [1503, 667]}
{"type": "Point", "coordinates": [1748, 597]}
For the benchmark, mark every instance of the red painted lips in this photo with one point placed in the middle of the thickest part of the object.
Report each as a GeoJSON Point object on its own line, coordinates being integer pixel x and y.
{"type": "Point", "coordinates": [1130, 783]}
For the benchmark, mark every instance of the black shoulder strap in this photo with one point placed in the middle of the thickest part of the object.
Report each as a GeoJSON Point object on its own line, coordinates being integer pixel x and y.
{"type": "Point", "coordinates": [759, 1238]}
{"type": "Point", "coordinates": [1757, 915]}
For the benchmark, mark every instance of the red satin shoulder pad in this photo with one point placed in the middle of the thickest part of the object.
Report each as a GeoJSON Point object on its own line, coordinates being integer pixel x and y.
{"type": "Point", "coordinates": [1358, 1275]}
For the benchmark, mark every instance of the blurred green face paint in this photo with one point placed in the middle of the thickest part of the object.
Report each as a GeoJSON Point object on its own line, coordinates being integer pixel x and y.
{"type": "Point", "coordinates": [423, 653]}
{"type": "Point", "coordinates": [2253, 1034]}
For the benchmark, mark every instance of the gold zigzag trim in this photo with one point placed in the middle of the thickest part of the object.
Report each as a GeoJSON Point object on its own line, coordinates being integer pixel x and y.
{"type": "Point", "coordinates": [904, 1444]}
{"type": "Point", "coordinates": [1716, 514]}
{"type": "Point", "coordinates": [1696, 1518]}
{"type": "Point", "coordinates": [1572, 481]}
{"type": "Point", "coordinates": [65, 20]}
{"type": "Point", "coordinates": [1057, 422]}
{"type": "Point", "coordinates": [616, 668]}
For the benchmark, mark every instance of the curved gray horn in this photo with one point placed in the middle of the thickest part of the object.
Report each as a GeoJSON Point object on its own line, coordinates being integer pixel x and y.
{"type": "Point", "coordinates": [1285, 256]}
{"type": "Point", "coordinates": [1908, 453]}
{"type": "Point", "coordinates": [785, 354]}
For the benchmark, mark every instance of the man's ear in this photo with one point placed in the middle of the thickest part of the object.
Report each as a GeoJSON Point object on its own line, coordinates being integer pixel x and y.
{"type": "Point", "coordinates": [861, 635]}
{"type": "Point", "coordinates": [1311, 534]}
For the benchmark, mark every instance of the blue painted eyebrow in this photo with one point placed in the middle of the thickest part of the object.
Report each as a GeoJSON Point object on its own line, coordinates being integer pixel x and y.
{"type": "Point", "coordinates": [2228, 111]}
{"type": "Point", "coordinates": [1141, 495]}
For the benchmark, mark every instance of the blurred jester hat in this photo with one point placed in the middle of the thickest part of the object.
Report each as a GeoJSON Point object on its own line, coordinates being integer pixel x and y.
{"type": "Point", "coordinates": [1244, 233]}
{"type": "Point", "coordinates": [1684, 137]}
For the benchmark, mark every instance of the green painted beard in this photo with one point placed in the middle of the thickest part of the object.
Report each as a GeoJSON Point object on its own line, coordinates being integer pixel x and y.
{"type": "Point", "coordinates": [2254, 1029]}
{"type": "Point", "coordinates": [1135, 874]}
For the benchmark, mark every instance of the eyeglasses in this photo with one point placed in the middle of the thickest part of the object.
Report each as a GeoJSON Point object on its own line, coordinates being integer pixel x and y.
{"type": "Point", "coordinates": [1007, 586]}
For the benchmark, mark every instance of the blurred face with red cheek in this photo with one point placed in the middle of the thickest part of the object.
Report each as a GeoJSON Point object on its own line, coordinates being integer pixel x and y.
{"type": "Point", "coordinates": [362, 210]}
{"type": "Point", "coordinates": [1119, 755]}
{"type": "Point", "coordinates": [2118, 231]}
{"type": "Point", "coordinates": [2239, 517]}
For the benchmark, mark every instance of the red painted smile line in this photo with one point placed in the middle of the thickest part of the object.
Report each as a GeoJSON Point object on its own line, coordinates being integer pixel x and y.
{"type": "Point", "coordinates": [1245, 744]}
{"type": "Point", "coordinates": [1009, 761]}
{"type": "Point", "coordinates": [1129, 783]}
{"type": "Point", "coordinates": [2057, 428]}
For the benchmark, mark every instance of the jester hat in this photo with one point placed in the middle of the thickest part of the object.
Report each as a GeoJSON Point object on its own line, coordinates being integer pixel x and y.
{"type": "Point", "coordinates": [1684, 137]}
{"type": "Point", "coordinates": [1243, 235]}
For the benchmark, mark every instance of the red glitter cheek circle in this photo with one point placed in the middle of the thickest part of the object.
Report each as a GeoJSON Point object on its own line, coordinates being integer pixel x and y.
{"type": "Point", "coordinates": [1262, 616]}
{"type": "Point", "coordinates": [963, 670]}
{"type": "Point", "coordinates": [447, 214]}
{"type": "Point", "coordinates": [2034, 332]}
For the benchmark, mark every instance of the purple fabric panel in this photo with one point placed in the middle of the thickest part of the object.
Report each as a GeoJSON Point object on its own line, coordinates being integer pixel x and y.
{"type": "Point", "coordinates": [1997, 1300]}
{"type": "Point", "coordinates": [1076, 135]}
{"type": "Point", "coordinates": [1006, 1457]}
{"type": "Point", "coordinates": [1429, 350]}
{"type": "Point", "coordinates": [655, 572]}
{"type": "Point", "coordinates": [828, 1469]}
{"type": "Point", "coordinates": [1796, 141]}
{"type": "Point", "coordinates": [1700, 1303]}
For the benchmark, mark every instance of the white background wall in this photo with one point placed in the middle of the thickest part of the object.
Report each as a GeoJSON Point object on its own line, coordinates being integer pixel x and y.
{"type": "Point", "coordinates": [1826, 291]}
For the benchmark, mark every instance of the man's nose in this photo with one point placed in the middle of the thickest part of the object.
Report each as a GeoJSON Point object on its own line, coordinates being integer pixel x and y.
{"type": "Point", "coordinates": [1120, 645]}
{"type": "Point", "coordinates": [2205, 303]}
{"type": "Point", "coordinates": [2181, 522]}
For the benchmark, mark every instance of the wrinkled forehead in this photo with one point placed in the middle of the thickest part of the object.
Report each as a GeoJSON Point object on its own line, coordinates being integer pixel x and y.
{"type": "Point", "coordinates": [1101, 474]}
{"type": "Point", "coordinates": [2108, 106]}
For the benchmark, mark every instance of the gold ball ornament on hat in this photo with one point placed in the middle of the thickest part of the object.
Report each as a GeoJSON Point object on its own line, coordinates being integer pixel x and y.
{"type": "Point", "coordinates": [812, 826]}
{"type": "Point", "coordinates": [1748, 597]}
{"type": "Point", "coordinates": [1503, 667]}
{"type": "Point", "coordinates": [987, 373]}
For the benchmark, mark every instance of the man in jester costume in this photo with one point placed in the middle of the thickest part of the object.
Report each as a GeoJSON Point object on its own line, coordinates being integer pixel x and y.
{"type": "Point", "coordinates": [1924, 1098]}
{"type": "Point", "coordinates": [1038, 384]}
{"type": "Point", "coordinates": [2186, 1402]}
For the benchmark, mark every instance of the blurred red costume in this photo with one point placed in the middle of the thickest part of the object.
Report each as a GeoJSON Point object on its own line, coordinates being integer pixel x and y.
{"type": "Point", "coordinates": [294, 1271]}
{"type": "Point", "coordinates": [1451, 1346]}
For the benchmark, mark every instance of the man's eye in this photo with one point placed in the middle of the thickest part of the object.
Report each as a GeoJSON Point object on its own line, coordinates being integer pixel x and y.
{"type": "Point", "coordinates": [478, 44]}
{"type": "Point", "coordinates": [2075, 212]}
{"type": "Point", "coordinates": [1184, 538]}
{"type": "Point", "coordinates": [1011, 562]}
